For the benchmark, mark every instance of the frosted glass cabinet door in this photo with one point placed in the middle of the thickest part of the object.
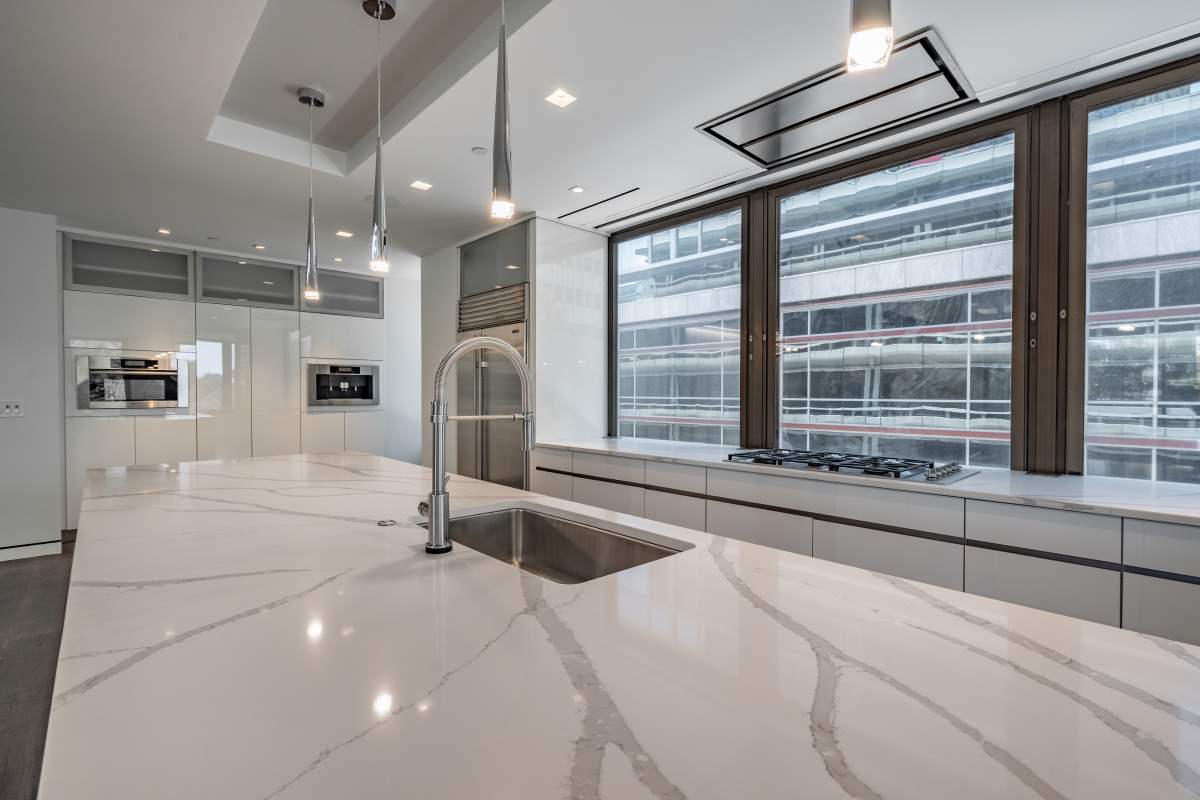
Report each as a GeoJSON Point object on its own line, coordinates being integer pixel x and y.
{"type": "Point", "coordinates": [223, 377]}
{"type": "Point", "coordinates": [275, 381]}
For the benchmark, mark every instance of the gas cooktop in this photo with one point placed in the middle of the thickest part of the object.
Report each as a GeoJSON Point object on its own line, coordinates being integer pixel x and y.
{"type": "Point", "coordinates": [850, 463]}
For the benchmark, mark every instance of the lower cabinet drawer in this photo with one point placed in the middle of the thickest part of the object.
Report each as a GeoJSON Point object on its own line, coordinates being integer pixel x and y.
{"type": "Point", "coordinates": [675, 509]}
{"type": "Point", "coordinates": [550, 483]}
{"type": "Point", "coordinates": [789, 532]}
{"type": "Point", "coordinates": [1072, 589]}
{"type": "Point", "coordinates": [1162, 607]}
{"type": "Point", "coordinates": [925, 560]}
{"type": "Point", "coordinates": [613, 496]}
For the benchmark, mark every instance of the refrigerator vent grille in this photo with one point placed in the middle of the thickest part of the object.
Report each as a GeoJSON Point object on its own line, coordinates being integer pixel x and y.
{"type": "Point", "coordinates": [498, 307]}
{"type": "Point", "coordinates": [835, 108]}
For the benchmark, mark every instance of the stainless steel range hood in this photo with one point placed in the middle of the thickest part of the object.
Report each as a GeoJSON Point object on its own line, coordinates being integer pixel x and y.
{"type": "Point", "coordinates": [835, 108]}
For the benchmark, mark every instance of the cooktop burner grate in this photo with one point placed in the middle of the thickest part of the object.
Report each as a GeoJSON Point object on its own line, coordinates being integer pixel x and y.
{"type": "Point", "coordinates": [836, 462]}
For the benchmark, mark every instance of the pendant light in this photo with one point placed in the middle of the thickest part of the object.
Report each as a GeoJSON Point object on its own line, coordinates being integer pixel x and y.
{"type": "Point", "coordinates": [313, 99]}
{"type": "Point", "coordinates": [870, 35]}
{"type": "Point", "coordinates": [379, 10]}
{"type": "Point", "coordinates": [502, 202]}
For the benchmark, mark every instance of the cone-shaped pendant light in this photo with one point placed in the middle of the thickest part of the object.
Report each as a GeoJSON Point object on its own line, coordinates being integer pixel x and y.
{"type": "Point", "coordinates": [313, 99]}
{"type": "Point", "coordinates": [380, 10]}
{"type": "Point", "coordinates": [502, 202]}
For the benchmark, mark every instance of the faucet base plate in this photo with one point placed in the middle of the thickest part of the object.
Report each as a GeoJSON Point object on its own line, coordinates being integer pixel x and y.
{"type": "Point", "coordinates": [434, 551]}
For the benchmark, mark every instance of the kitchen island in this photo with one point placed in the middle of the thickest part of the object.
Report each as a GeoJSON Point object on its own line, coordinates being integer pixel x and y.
{"type": "Point", "coordinates": [247, 629]}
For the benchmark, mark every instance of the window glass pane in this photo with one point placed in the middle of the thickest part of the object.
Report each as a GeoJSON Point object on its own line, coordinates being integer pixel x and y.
{"type": "Point", "coordinates": [1143, 316]}
{"type": "Point", "coordinates": [896, 310]}
{"type": "Point", "coordinates": [679, 332]}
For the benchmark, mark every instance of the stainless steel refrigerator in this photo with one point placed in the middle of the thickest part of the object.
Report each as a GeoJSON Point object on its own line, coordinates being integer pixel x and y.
{"type": "Point", "coordinates": [488, 384]}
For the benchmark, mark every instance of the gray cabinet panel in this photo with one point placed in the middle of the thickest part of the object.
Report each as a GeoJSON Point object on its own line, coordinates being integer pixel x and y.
{"type": "Point", "coordinates": [242, 282]}
{"type": "Point", "coordinates": [675, 509]}
{"type": "Point", "coordinates": [789, 532]}
{"type": "Point", "coordinates": [486, 264]}
{"type": "Point", "coordinates": [126, 268]}
{"type": "Point", "coordinates": [925, 560]}
{"type": "Point", "coordinates": [1068, 532]}
{"type": "Point", "coordinates": [347, 293]}
{"type": "Point", "coordinates": [613, 496]}
{"type": "Point", "coordinates": [1072, 589]}
{"type": "Point", "coordinates": [1163, 546]}
{"type": "Point", "coordinates": [1162, 608]}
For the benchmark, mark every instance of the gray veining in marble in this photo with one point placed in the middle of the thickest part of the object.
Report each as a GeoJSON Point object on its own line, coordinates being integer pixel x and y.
{"type": "Point", "coordinates": [149, 584]}
{"type": "Point", "coordinates": [821, 646]}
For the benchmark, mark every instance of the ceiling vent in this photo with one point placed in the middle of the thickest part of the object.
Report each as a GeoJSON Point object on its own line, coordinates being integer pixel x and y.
{"type": "Point", "coordinates": [835, 108]}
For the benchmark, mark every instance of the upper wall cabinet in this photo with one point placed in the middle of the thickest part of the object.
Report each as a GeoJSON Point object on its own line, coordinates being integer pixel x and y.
{"type": "Point", "coordinates": [97, 265]}
{"type": "Point", "coordinates": [348, 293]}
{"type": "Point", "coordinates": [251, 283]}
{"type": "Point", "coordinates": [495, 261]}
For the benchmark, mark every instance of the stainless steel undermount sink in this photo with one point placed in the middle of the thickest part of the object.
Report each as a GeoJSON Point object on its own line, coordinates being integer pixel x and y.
{"type": "Point", "coordinates": [554, 548]}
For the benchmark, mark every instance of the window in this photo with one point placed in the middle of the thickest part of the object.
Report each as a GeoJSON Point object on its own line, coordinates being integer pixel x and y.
{"type": "Point", "coordinates": [1143, 287]}
{"type": "Point", "coordinates": [678, 354]}
{"type": "Point", "coordinates": [895, 310]}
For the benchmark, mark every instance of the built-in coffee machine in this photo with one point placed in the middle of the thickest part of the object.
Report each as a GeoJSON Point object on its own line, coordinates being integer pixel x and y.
{"type": "Point", "coordinates": [343, 385]}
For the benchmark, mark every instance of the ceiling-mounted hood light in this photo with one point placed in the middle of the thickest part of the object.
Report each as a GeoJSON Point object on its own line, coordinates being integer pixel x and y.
{"type": "Point", "coordinates": [502, 202]}
{"type": "Point", "coordinates": [379, 10]}
{"type": "Point", "coordinates": [313, 99]}
{"type": "Point", "coordinates": [870, 35]}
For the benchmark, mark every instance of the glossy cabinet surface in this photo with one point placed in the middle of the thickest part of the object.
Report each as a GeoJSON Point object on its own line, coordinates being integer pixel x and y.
{"type": "Point", "coordinates": [260, 283]}
{"type": "Point", "coordinates": [119, 322]}
{"type": "Point", "coordinates": [1163, 546]}
{"type": "Point", "coordinates": [925, 560]}
{"type": "Point", "coordinates": [366, 431]}
{"type": "Point", "coordinates": [1073, 589]}
{"type": "Point", "coordinates": [327, 337]}
{"type": "Point", "coordinates": [323, 432]}
{"type": "Point", "coordinates": [550, 483]}
{"type": "Point", "coordinates": [790, 532]}
{"type": "Point", "coordinates": [275, 381]}
{"type": "Point", "coordinates": [123, 267]}
{"type": "Point", "coordinates": [223, 382]}
{"type": "Point", "coordinates": [164, 439]}
{"type": "Point", "coordinates": [347, 293]}
{"type": "Point", "coordinates": [613, 496]}
{"type": "Point", "coordinates": [1162, 608]}
{"type": "Point", "coordinates": [1071, 533]}
{"type": "Point", "coordinates": [676, 509]}
{"type": "Point", "coordinates": [94, 442]}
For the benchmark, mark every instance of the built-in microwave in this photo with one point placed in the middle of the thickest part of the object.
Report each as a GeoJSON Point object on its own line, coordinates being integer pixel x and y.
{"type": "Point", "coordinates": [132, 382]}
{"type": "Point", "coordinates": [343, 385]}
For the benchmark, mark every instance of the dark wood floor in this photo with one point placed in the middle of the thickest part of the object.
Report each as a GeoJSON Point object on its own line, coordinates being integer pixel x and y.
{"type": "Point", "coordinates": [33, 595]}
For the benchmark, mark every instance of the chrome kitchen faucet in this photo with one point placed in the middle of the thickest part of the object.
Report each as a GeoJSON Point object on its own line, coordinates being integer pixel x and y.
{"type": "Point", "coordinates": [439, 499]}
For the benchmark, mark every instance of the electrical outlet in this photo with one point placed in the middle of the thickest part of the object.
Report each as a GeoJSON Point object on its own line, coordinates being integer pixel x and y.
{"type": "Point", "coordinates": [11, 408]}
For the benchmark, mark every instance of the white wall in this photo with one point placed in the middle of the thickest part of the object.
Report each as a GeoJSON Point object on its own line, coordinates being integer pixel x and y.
{"type": "Point", "coordinates": [31, 447]}
{"type": "Point", "coordinates": [439, 315]}
{"type": "Point", "coordinates": [402, 388]}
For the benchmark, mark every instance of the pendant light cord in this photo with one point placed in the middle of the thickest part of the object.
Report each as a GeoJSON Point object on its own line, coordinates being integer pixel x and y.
{"type": "Point", "coordinates": [310, 152]}
{"type": "Point", "coordinates": [379, 69]}
{"type": "Point", "coordinates": [503, 23]}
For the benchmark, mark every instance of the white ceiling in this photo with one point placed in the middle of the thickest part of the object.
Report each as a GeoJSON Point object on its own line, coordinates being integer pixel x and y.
{"type": "Point", "coordinates": [109, 106]}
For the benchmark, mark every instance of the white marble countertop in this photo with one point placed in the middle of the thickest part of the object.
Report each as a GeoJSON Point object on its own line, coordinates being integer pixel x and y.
{"type": "Point", "coordinates": [1121, 497]}
{"type": "Point", "coordinates": [244, 629]}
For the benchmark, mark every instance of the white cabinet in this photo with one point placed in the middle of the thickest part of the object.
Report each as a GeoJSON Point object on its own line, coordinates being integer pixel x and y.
{"type": "Point", "coordinates": [550, 483]}
{"type": "Point", "coordinates": [790, 532]}
{"type": "Point", "coordinates": [613, 496]}
{"type": "Point", "coordinates": [1163, 546]}
{"type": "Point", "coordinates": [333, 337]}
{"type": "Point", "coordinates": [223, 381]}
{"type": "Point", "coordinates": [631, 470]}
{"type": "Point", "coordinates": [275, 381]}
{"type": "Point", "coordinates": [683, 477]}
{"type": "Point", "coordinates": [675, 509]}
{"type": "Point", "coordinates": [1071, 533]}
{"type": "Point", "coordinates": [323, 432]}
{"type": "Point", "coordinates": [94, 442]}
{"type": "Point", "coordinates": [1162, 607]}
{"type": "Point", "coordinates": [926, 560]}
{"type": "Point", "coordinates": [366, 431]}
{"type": "Point", "coordinates": [1073, 589]}
{"type": "Point", "coordinates": [120, 322]}
{"type": "Point", "coordinates": [164, 440]}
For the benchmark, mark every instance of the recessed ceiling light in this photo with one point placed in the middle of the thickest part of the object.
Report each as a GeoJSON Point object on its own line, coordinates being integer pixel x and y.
{"type": "Point", "coordinates": [155, 250]}
{"type": "Point", "coordinates": [344, 234]}
{"type": "Point", "coordinates": [512, 266]}
{"type": "Point", "coordinates": [165, 231]}
{"type": "Point", "coordinates": [560, 98]}
{"type": "Point", "coordinates": [268, 283]}
{"type": "Point", "coordinates": [338, 259]}
{"type": "Point", "coordinates": [422, 185]}
{"type": "Point", "coordinates": [260, 247]}
{"type": "Point", "coordinates": [241, 262]}
{"type": "Point", "coordinates": [576, 189]}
